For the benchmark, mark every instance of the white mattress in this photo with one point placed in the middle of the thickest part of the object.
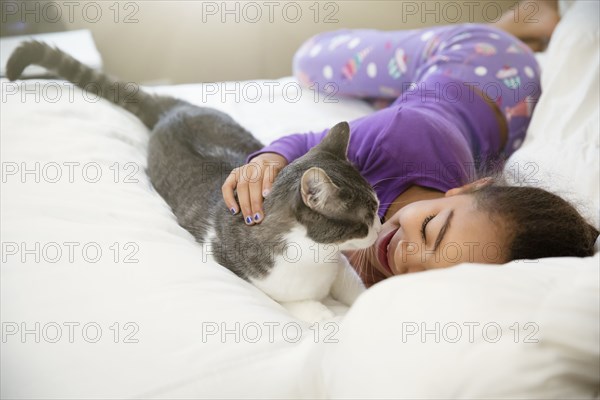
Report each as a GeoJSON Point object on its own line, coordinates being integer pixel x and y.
{"type": "Point", "coordinates": [171, 306]}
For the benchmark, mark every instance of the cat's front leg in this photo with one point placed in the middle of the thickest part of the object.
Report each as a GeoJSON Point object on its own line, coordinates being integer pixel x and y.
{"type": "Point", "coordinates": [347, 285]}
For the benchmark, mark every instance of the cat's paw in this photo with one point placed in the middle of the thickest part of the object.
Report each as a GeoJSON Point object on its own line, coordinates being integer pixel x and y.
{"type": "Point", "coordinates": [309, 310]}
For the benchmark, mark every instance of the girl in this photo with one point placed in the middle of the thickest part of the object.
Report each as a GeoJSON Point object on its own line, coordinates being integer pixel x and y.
{"type": "Point", "coordinates": [459, 100]}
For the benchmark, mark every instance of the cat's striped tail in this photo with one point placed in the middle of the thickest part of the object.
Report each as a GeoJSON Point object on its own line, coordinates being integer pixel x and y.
{"type": "Point", "coordinates": [128, 95]}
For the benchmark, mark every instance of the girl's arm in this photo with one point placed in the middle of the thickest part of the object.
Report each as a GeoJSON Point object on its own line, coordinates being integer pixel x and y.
{"type": "Point", "coordinates": [291, 147]}
{"type": "Point", "coordinates": [393, 149]}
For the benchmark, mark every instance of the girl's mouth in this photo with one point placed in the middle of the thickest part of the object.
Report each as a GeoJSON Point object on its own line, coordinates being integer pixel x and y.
{"type": "Point", "coordinates": [382, 250]}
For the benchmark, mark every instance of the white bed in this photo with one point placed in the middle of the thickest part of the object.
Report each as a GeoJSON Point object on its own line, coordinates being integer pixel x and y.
{"type": "Point", "coordinates": [528, 329]}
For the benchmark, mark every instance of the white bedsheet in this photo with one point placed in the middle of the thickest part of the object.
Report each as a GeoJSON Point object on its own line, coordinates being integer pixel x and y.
{"type": "Point", "coordinates": [170, 294]}
{"type": "Point", "coordinates": [191, 329]}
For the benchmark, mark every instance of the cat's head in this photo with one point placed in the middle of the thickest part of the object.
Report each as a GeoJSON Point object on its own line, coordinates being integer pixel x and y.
{"type": "Point", "coordinates": [332, 200]}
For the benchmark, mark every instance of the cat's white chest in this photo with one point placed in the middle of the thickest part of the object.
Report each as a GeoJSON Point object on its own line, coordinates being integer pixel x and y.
{"type": "Point", "coordinates": [304, 271]}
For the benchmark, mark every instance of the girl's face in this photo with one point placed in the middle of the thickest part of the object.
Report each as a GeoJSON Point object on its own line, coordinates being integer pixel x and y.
{"type": "Point", "coordinates": [431, 234]}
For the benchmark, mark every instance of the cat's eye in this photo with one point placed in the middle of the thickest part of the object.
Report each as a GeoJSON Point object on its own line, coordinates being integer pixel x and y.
{"type": "Point", "coordinates": [424, 226]}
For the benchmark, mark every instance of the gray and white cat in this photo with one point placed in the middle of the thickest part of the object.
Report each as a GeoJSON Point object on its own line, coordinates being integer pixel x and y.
{"type": "Point", "coordinates": [319, 204]}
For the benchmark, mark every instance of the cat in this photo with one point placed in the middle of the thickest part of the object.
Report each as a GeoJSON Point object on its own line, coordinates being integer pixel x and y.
{"type": "Point", "coordinates": [319, 205]}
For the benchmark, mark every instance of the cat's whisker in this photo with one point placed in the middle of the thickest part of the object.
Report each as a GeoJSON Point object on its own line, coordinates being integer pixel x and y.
{"type": "Point", "coordinates": [359, 260]}
{"type": "Point", "coordinates": [362, 263]}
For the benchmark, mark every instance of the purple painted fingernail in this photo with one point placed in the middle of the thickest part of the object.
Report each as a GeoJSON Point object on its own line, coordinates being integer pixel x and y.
{"type": "Point", "coordinates": [232, 210]}
{"type": "Point", "coordinates": [248, 220]}
{"type": "Point", "coordinates": [256, 216]}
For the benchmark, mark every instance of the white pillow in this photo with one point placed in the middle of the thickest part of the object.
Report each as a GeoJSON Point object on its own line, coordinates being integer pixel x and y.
{"type": "Point", "coordinates": [534, 334]}
{"type": "Point", "coordinates": [561, 151]}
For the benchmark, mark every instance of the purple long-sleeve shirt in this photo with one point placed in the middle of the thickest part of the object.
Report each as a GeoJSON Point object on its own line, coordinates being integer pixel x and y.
{"type": "Point", "coordinates": [428, 137]}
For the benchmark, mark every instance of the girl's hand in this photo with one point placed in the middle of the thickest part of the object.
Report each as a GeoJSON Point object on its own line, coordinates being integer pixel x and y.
{"type": "Point", "coordinates": [252, 181]}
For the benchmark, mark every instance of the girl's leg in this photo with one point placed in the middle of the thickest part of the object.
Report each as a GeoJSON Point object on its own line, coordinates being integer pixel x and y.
{"type": "Point", "coordinates": [363, 63]}
{"type": "Point", "coordinates": [382, 65]}
{"type": "Point", "coordinates": [497, 65]}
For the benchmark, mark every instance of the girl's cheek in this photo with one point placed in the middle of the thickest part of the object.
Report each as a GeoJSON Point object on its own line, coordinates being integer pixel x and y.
{"type": "Point", "coordinates": [404, 256]}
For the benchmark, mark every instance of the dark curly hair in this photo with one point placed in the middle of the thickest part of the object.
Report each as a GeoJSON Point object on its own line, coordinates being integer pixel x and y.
{"type": "Point", "coordinates": [539, 223]}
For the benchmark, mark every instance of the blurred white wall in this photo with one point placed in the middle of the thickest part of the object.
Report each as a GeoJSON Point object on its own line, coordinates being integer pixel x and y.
{"type": "Point", "coordinates": [192, 41]}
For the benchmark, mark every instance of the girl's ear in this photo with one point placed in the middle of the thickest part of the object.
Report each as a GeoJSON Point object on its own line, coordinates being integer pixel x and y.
{"type": "Point", "coordinates": [470, 187]}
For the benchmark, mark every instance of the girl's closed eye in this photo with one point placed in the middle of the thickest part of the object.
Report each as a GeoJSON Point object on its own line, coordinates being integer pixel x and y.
{"type": "Point", "coordinates": [424, 225]}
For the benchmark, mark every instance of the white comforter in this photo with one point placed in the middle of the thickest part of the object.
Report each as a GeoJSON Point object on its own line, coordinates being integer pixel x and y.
{"type": "Point", "coordinates": [104, 295]}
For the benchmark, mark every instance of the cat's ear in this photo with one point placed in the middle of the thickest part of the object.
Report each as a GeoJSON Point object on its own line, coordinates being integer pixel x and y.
{"type": "Point", "coordinates": [337, 139]}
{"type": "Point", "coordinates": [316, 188]}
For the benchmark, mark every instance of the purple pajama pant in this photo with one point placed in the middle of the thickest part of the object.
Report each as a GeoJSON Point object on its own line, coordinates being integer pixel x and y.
{"type": "Point", "coordinates": [381, 65]}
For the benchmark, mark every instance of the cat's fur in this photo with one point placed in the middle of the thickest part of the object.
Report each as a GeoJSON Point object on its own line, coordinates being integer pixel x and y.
{"type": "Point", "coordinates": [319, 200]}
